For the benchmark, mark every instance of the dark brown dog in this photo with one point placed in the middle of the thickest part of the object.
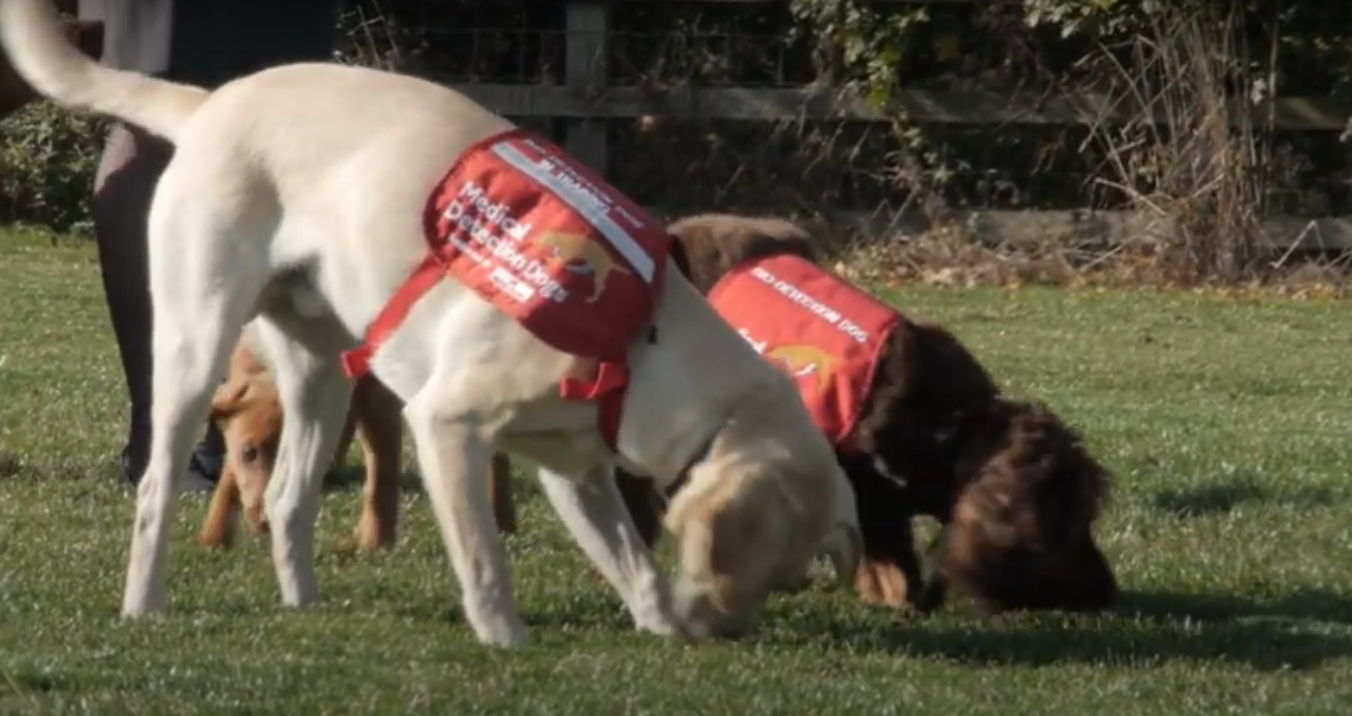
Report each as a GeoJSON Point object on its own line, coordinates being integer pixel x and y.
{"type": "Point", "coordinates": [1014, 488]}
{"type": "Point", "coordinates": [15, 93]}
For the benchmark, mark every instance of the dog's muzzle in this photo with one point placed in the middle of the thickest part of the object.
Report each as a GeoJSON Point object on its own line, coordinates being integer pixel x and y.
{"type": "Point", "coordinates": [702, 619]}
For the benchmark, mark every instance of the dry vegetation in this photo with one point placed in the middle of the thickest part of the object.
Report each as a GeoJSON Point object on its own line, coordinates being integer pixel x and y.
{"type": "Point", "coordinates": [1183, 139]}
{"type": "Point", "coordinates": [1201, 168]}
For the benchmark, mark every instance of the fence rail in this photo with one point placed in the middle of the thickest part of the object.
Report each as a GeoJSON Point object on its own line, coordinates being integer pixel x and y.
{"type": "Point", "coordinates": [590, 101]}
{"type": "Point", "coordinates": [586, 101]}
{"type": "Point", "coordinates": [1032, 228]}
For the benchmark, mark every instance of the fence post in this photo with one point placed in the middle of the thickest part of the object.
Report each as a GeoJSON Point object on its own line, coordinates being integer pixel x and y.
{"type": "Point", "coordinates": [585, 70]}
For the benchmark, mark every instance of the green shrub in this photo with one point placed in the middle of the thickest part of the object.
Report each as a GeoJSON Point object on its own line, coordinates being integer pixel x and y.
{"type": "Point", "coordinates": [48, 157]}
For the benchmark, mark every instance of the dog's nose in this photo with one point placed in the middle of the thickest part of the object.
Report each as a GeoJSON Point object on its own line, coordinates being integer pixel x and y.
{"type": "Point", "coordinates": [701, 618]}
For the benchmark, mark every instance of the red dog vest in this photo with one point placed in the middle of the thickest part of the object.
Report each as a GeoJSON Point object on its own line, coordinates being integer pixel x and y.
{"type": "Point", "coordinates": [821, 330]}
{"type": "Point", "coordinates": [550, 244]}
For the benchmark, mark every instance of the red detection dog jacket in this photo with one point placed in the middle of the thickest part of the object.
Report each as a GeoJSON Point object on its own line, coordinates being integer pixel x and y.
{"type": "Point", "coordinates": [549, 243]}
{"type": "Point", "coordinates": [821, 330]}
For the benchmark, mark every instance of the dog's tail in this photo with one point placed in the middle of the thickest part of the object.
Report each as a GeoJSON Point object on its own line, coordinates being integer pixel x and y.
{"type": "Point", "coordinates": [43, 57]}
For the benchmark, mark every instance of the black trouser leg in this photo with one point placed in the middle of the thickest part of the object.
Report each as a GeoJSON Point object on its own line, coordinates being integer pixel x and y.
{"type": "Point", "coordinates": [130, 167]}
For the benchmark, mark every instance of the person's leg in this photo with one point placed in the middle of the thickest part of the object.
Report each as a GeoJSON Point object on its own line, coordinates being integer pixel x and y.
{"type": "Point", "coordinates": [121, 193]}
{"type": "Point", "coordinates": [131, 164]}
{"type": "Point", "coordinates": [169, 38]}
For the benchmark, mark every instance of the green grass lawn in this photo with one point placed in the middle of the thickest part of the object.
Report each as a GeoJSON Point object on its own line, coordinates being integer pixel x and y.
{"type": "Point", "coordinates": [1226, 423]}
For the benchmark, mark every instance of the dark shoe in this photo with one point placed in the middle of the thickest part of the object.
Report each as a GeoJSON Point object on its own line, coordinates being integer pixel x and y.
{"type": "Point", "coordinates": [132, 469]}
{"type": "Point", "coordinates": [136, 453]}
{"type": "Point", "coordinates": [204, 468]}
{"type": "Point", "coordinates": [204, 471]}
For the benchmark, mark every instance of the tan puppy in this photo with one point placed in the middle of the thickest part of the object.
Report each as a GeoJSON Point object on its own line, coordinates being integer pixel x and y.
{"type": "Point", "coordinates": [248, 411]}
{"type": "Point", "coordinates": [316, 199]}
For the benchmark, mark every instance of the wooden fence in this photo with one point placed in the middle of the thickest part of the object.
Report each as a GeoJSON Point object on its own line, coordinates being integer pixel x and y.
{"type": "Point", "coordinates": [586, 100]}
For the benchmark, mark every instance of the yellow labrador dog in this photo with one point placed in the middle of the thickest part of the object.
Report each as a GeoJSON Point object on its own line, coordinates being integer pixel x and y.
{"type": "Point", "coordinates": [299, 196]}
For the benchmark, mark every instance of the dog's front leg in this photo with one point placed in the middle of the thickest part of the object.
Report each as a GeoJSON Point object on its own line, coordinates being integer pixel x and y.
{"type": "Point", "coordinates": [454, 459]}
{"type": "Point", "coordinates": [594, 513]}
{"type": "Point", "coordinates": [935, 583]}
{"type": "Point", "coordinates": [188, 362]}
{"type": "Point", "coordinates": [890, 573]}
{"type": "Point", "coordinates": [218, 530]}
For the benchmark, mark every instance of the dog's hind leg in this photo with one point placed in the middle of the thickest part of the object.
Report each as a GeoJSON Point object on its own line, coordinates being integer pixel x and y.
{"type": "Point", "coordinates": [207, 268]}
{"type": "Point", "coordinates": [455, 456]}
{"type": "Point", "coordinates": [591, 507]}
{"type": "Point", "coordinates": [196, 327]}
{"type": "Point", "coordinates": [315, 396]}
{"type": "Point", "coordinates": [380, 427]}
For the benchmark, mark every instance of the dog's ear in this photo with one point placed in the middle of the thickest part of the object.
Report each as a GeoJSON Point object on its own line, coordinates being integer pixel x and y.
{"type": "Point", "coordinates": [732, 528]}
{"type": "Point", "coordinates": [989, 508]}
{"type": "Point", "coordinates": [723, 538]}
{"type": "Point", "coordinates": [229, 399]}
{"type": "Point", "coordinates": [1066, 487]}
{"type": "Point", "coordinates": [245, 362]}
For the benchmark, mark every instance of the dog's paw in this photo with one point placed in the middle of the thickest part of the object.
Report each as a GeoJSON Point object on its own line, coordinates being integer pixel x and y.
{"type": "Point", "coordinates": [134, 607]}
{"type": "Point", "coordinates": [298, 585]}
{"type": "Point", "coordinates": [884, 585]}
{"type": "Point", "coordinates": [374, 534]}
{"type": "Point", "coordinates": [493, 615]}
{"type": "Point", "coordinates": [214, 539]}
{"type": "Point", "coordinates": [367, 540]}
{"type": "Point", "coordinates": [504, 632]}
{"type": "Point", "coordinates": [665, 625]}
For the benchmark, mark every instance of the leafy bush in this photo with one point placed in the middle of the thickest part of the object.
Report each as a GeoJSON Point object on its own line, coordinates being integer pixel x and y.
{"type": "Point", "coordinates": [48, 157]}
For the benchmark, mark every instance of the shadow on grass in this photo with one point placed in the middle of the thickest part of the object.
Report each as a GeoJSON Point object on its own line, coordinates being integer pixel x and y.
{"type": "Point", "coordinates": [1262, 645]}
{"type": "Point", "coordinates": [54, 467]}
{"type": "Point", "coordinates": [1146, 628]}
{"type": "Point", "coordinates": [353, 477]}
{"type": "Point", "coordinates": [9, 465]}
{"type": "Point", "coordinates": [595, 610]}
{"type": "Point", "coordinates": [1225, 497]}
{"type": "Point", "coordinates": [1308, 605]}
